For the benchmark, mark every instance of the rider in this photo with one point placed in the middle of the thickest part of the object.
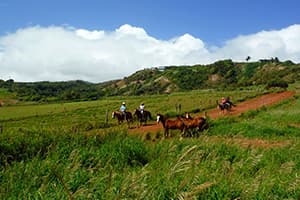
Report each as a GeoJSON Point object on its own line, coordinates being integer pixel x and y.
{"type": "Point", "coordinates": [229, 102]}
{"type": "Point", "coordinates": [226, 101]}
{"type": "Point", "coordinates": [223, 101]}
{"type": "Point", "coordinates": [123, 109]}
{"type": "Point", "coordinates": [142, 108]}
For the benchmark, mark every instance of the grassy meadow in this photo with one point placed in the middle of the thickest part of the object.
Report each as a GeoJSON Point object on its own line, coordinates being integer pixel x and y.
{"type": "Point", "coordinates": [68, 151]}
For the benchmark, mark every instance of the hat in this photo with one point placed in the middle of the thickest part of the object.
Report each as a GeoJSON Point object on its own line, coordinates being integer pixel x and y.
{"type": "Point", "coordinates": [123, 102]}
{"type": "Point", "coordinates": [142, 103]}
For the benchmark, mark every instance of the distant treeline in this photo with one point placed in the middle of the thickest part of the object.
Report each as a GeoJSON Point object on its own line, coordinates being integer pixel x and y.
{"type": "Point", "coordinates": [52, 91]}
{"type": "Point", "coordinates": [224, 74]}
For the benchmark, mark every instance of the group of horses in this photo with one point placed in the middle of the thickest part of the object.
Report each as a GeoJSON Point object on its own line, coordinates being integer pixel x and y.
{"type": "Point", "coordinates": [142, 117]}
{"type": "Point", "coordinates": [188, 125]}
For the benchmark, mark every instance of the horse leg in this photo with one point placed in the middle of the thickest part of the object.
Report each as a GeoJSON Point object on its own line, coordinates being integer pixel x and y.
{"type": "Point", "coordinates": [227, 106]}
{"type": "Point", "coordinates": [183, 132]}
{"type": "Point", "coordinates": [220, 106]}
{"type": "Point", "coordinates": [128, 122]}
{"type": "Point", "coordinates": [223, 108]}
{"type": "Point", "coordinates": [166, 132]}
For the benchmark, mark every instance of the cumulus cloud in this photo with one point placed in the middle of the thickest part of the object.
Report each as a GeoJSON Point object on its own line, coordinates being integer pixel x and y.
{"type": "Point", "coordinates": [62, 53]}
{"type": "Point", "coordinates": [283, 44]}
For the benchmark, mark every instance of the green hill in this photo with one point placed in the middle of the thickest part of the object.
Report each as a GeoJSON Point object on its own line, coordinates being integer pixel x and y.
{"type": "Point", "coordinates": [224, 74]}
{"type": "Point", "coordinates": [219, 75]}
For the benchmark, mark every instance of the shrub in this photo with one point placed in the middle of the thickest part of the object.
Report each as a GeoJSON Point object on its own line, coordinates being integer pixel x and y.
{"type": "Point", "coordinates": [277, 83]}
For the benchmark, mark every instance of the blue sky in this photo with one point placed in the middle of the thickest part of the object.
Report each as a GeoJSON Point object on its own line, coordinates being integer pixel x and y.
{"type": "Point", "coordinates": [203, 28]}
{"type": "Point", "coordinates": [212, 20]}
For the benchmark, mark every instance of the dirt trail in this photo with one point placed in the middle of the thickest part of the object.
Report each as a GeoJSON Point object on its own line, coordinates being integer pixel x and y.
{"type": "Point", "coordinates": [252, 104]}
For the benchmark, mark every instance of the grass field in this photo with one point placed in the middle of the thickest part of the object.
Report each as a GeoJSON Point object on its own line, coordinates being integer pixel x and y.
{"type": "Point", "coordinates": [66, 151]}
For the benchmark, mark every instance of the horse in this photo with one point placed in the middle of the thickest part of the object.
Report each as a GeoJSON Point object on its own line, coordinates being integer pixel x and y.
{"type": "Point", "coordinates": [142, 117]}
{"type": "Point", "coordinates": [120, 116]}
{"type": "Point", "coordinates": [170, 124]}
{"type": "Point", "coordinates": [198, 123]}
{"type": "Point", "coordinates": [223, 107]}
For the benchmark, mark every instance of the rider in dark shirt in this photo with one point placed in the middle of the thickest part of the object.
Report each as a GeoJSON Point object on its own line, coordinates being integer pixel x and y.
{"type": "Point", "coordinates": [228, 102]}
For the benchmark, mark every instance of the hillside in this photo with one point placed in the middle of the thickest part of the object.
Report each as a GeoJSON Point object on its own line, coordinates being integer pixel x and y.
{"type": "Point", "coordinates": [224, 74]}
{"type": "Point", "coordinates": [219, 75]}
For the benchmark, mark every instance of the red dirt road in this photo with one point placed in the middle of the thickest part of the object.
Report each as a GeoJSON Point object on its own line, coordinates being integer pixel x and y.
{"type": "Point", "coordinates": [252, 104]}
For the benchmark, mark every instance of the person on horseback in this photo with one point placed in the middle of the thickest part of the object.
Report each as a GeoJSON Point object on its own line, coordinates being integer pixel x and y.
{"type": "Point", "coordinates": [225, 102]}
{"type": "Point", "coordinates": [123, 109]}
{"type": "Point", "coordinates": [142, 108]}
{"type": "Point", "coordinates": [227, 99]}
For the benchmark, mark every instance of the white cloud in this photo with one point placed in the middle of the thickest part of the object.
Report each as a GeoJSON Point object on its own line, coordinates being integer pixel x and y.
{"type": "Point", "coordinates": [90, 35]}
{"type": "Point", "coordinates": [59, 53]}
{"type": "Point", "coordinates": [283, 44]}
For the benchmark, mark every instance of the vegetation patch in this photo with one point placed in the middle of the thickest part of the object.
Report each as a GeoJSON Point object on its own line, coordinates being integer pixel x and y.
{"type": "Point", "coordinates": [76, 151]}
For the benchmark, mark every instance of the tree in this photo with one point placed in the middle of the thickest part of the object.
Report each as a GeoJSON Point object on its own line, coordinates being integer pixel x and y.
{"type": "Point", "coordinates": [248, 58]}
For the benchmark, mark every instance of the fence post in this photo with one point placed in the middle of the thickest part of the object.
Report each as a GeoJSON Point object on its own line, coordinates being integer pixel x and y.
{"type": "Point", "coordinates": [106, 118]}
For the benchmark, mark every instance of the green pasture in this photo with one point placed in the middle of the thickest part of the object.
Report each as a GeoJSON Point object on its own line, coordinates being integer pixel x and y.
{"type": "Point", "coordinates": [93, 115]}
{"type": "Point", "coordinates": [189, 101]}
{"type": "Point", "coordinates": [67, 151]}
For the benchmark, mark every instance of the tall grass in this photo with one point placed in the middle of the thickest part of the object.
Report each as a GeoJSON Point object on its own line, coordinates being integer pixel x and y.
{"type": "Point", "coordinates": [120, 166]}
{"type": "Point", "coordinates": [69, 155]}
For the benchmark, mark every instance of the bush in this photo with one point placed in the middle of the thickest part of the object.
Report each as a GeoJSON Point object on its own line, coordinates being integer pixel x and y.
{"type": "Point", "coordinates": [277, 83]}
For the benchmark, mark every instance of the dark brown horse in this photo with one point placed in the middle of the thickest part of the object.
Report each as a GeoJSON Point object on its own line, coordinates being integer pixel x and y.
{"type": "Point", "coordinates": [171, 124]}
{"type": "Point", "coordinates": [142, 117]}
{"type": "Point", "coordinates": [121, 117]}
{"type": "Point", "coordinates": [224, 107]}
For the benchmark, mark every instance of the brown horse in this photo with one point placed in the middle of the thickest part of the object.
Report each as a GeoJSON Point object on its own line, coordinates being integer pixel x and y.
{"type": "Point", "coordinates": [171, 124]}
{"type": "Point", "coordinates": [121, 117]}
{"type": "Point", "coordinates": [197, 123]}
{"type": "Point", "coordinates": [142, 117]}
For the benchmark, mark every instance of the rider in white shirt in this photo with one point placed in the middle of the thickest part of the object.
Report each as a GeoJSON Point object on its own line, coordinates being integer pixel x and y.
{"type": "Point", "coordinates": [123, 109]}
{"type": "Point", "coordinates": [142, 107]}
